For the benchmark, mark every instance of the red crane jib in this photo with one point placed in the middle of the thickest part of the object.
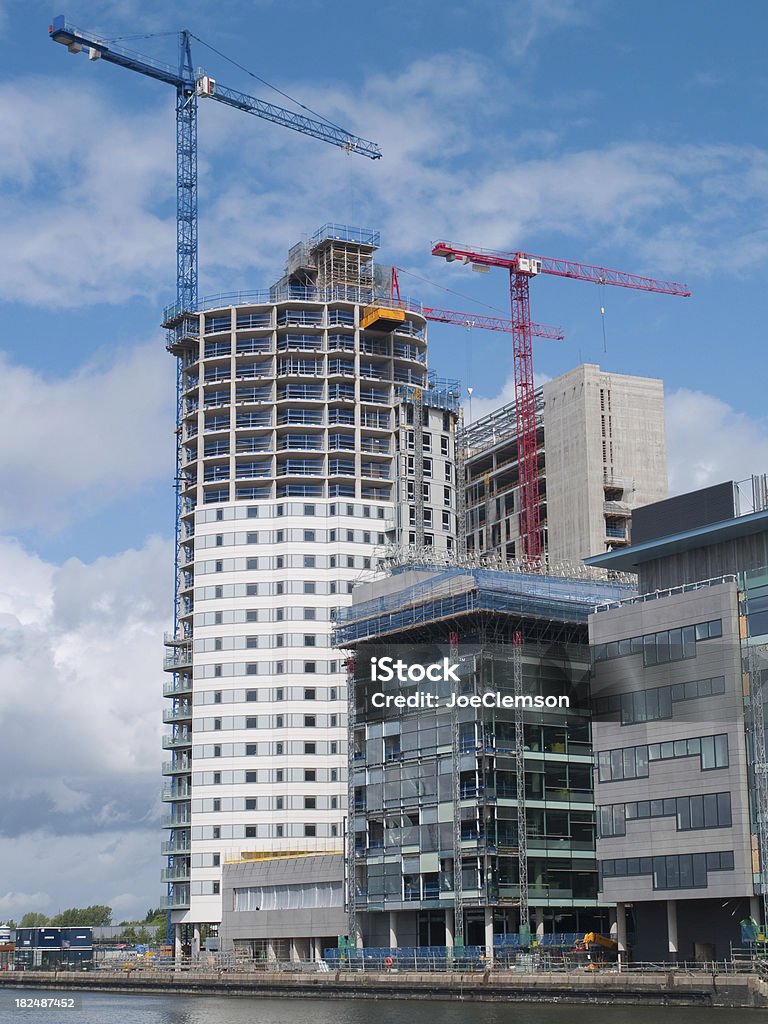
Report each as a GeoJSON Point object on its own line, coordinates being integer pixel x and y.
{"type": "Point", "coordinates": [560, 268]}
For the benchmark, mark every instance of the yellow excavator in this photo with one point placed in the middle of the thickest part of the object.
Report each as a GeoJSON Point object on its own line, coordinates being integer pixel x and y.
{"type": "Point", "coordinates": [598, 949]}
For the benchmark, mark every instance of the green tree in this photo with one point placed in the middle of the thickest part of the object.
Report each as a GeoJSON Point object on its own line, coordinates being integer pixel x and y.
{"type": "Point", "coordinates": [95, 916]}
{"type": "Point", "coordinates": [33, 920]}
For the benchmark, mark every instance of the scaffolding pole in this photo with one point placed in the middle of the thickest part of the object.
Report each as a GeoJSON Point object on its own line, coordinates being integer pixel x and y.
{"type": "Point", "coordinates": [461, 483]}
{"type": "Point", "coordinates": [758, 660]}
{"type": "Point", "coordinates": [351, 864]}
{"type": "Point", "coordinates": [522, 833]}
{"type": "Point", "coordinates": [458, 889]}
{"type": "Point", "coordinates": [418, 463]}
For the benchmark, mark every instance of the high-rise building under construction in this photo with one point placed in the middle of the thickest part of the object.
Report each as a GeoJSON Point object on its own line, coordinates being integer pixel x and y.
{"type": "Point", "coordinates": [601, 453]}
{"type": "Point", "coordinates": [310, 433]}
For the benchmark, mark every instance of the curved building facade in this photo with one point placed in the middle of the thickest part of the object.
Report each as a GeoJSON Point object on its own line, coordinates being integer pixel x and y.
{"type": "Point", "coordinates": [310, 435]}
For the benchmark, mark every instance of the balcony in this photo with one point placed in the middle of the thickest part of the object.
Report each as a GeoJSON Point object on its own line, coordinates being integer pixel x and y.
{"type": "Point", "coordinates": [177, 687]}
{"type": "Point", "coordinates": [180, 844]}
{"type": "Point", "coordinates": [178, 791]}
{"type": "Point", "coordinates": [176, 901]}
{"type": "Point", "coordinates": [175, 874]}
{"type": "Point", "coordinates": [178, 658]}
{"type": "Point", "coordinates": [177, 819]}
{"type": "Point", "coordinates": [177, 740]}
{"type": "Point", "coordinates": [182, 766]}
{"type": "Point", "coordinates": [180, 714]}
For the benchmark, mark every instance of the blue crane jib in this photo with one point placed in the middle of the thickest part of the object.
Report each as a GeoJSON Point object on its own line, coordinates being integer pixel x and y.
{"type": "Point", "coordinates": [189, 87]}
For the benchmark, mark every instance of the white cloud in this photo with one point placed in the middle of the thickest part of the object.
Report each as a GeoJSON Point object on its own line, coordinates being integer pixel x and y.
{"type": "Point", "coordinates": [81, 707]}
{"type": "Point", "coordinates": [86, 215]}
{"type": "Point", "coordinates": [708, 441]}
{"type": "Point", "coordinates": [74, 444]}
{"type": "Point", "coordinates": [16, 904]}
{"type": "Point", "coordinates": [452, 162]}
{"type": "Point", "coordinates": [531, 20]}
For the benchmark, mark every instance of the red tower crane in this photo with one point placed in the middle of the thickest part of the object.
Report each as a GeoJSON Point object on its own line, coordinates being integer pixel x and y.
{"type": "Point", "coordinates": [522, 267]}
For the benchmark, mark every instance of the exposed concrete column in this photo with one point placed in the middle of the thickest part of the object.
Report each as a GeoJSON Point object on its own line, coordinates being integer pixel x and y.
{"type": "Point", "coordinates": [621, 931]}
{"type": "Point", "coordinates": [293, 952]}
{"type": "Point", "coordinates": [672, 927]}
{"type": "Point", "coordinates": [392, 930]}
{"type": "Point", "coordinates": [177, 941]}
{"type": "Point", "coordinates": [196, 942]}
{"type": "Point", "coordinates": [488, 922]}
{"type": "Point", "coordinates": [271, 950]}
{"type": "Point", "coordinates": [756, 909]}
{"type": "Point", "coordinates": [449, 927]}
{"type": "Point", "coordinates": [318, 946]}
{"type": "Point", "coordinates": [538, 915]}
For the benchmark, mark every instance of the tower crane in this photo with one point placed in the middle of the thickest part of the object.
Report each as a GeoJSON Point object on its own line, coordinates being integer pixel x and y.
{"type": "Point", "coordinates": [522, 267]}
{"type": "Point", "coordinates": [191, 85]}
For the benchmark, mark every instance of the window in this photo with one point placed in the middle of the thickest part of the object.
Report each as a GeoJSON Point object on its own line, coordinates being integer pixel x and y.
{"type": "Point", "coordinates": [333, 721]}
{"type": "Point", "coordinates": [310, 666]}
{"type": "Point", "coordinates": [310, 803]}
{"type": "Point", "coordinates": [215, 860]}
{"type": "Point", "coordinates": [309, 639]}
{"type": "Point", "coordinates": [309, 587]}
{"type": "Point", "coordinates": [217, 696]}
{"type": "Point", "coordinates": [309, 694]}
{"type": "Point", "coordinates": [278, 749]}
{"type": "Point", "coordinates": [279, 775]}
{"type": "Point", "coordinates": [278, 721]}
{"type": "Point", "coordinates": [250, 804]}
{"type": "Point", "coordinates": [278, 803]}
{"type": "Point", "coordinates": [334, 803]}
{"type": "Point", "coordinates": [279, 692]}
{"type": "Point", "coordinates": [309, 721]}
{"type": "Point", "coordinates": [279, 831]}
{"type": "Point", "coordinates": [309, 536]}
{"type": "Point", "coordinates": [310, 613]}
{"type": "Point", "coordinates": [677, 871]}
{"type": "Point", "coordinates": [309, 748]}
{"type": "Point", "coordinates": [217, 805]}
{"type": "Point", "coordinates": [250, 832]}
{"type": "Point", "coordinates": [444, 445]}
{"type": "Point", "coordinates": [251, 695]}
{"type": "Point", "coordinates": [334, 775]}
{"type": "Point", "coordinates": [216, 778]}
{"type": "Point", "coordinates": [309, 561]}
{"type": "Point", "coordinates": [251, 723]}
{"type": "Point", "coordinates": [632, 762]}
{"type": "Point", "coordinates": [250, 750]}
{"type": "Point", "coordinates": [251, 776]}
{"type": "Point", "coordinates": [333, 748]}
{"type": "Point", "coordinates": [310, 830]}
{"type": "Point", "coordinates": [310, 775]}
{"type": "Point", "coordinates": [217, 723]}
{"type": "Point", "coordinates": [309, 510]}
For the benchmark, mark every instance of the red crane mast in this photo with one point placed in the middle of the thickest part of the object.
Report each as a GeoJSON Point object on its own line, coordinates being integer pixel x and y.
{"type": "Point", "coordinates": [522, 267]}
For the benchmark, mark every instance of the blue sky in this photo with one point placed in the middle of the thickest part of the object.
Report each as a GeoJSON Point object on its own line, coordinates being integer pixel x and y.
{"type": "Point", "coordinates": [629, 136]}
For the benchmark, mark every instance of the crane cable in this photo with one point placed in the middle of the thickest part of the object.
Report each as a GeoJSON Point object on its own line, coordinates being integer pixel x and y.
{"type": "Point", "coordinates": [280, 92]}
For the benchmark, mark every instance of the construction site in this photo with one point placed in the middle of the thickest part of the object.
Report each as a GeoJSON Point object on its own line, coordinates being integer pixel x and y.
{"type": "Point", "coordinates": [355, 515]}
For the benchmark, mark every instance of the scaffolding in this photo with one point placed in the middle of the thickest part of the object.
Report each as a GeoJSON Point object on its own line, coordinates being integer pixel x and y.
{"type": "Point", "coordinates": [343, 256]}
{"type": "Point", "coordinates": [462, 590]}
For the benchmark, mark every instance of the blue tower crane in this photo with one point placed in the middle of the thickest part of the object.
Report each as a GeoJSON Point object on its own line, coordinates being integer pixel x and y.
{"type": "Point", "coordinates": [190, 86]}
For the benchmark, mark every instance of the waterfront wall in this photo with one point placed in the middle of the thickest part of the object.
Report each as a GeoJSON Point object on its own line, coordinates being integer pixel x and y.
{"type": "Point", "coordinates": [670, 988]}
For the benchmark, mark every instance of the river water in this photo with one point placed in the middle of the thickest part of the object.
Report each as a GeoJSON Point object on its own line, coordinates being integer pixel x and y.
{"type": "Point", "coordinates": [98, 1008]}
